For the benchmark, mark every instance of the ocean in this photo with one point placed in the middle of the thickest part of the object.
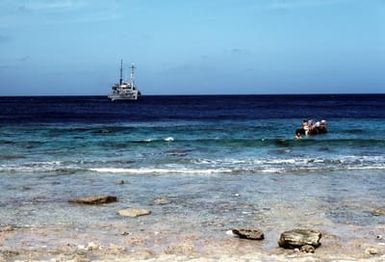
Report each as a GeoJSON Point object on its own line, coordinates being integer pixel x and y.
{"type": "Point", "coordinates": [222, 161]}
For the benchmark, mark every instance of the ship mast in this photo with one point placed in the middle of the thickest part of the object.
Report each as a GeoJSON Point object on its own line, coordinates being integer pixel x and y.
{"type": "Point", "coordinates": [132, 75]}
{"type": "Point", "coordinates": [121, 72]}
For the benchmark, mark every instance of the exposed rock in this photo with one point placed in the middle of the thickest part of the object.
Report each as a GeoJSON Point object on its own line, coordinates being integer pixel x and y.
{"type": "Point", "coordinates": [115, 250]}
{"type": "Point", "coordinates": [183, 248]}
{"type": "Point", "coordinates": [10, 253]}
{"type": "Point", "coordinates": [94, 200]}
{"type": "Point", "coordinates": [6, 228]}
{"type": "Point", "coordinates": [134, 212]}
{"type": "Point", "coordinates": [161, 201]}
{"type": "Point", "coordinates": [300, 237]}
{"type": "Point", "coordinates": [93, 246]}
{"type": "Point", "coordinates": [307, 249]}
{"type": "Point", "coordinates": [378, 212]}
{"type": "Point", "coordinates": [371, 251]}
{"type": "Point", "coordinates": [143, 255]}
{"type": "Point", "coordinates": [252, 234]}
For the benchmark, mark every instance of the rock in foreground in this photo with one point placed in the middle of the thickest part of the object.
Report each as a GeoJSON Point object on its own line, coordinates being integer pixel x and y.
{"type": "Point", "coordinates": [252, 234]}
{"type": "Point", "coordinates": [134, 212]}
{"type": "Point", "coordinates": [94, 200]}
{"type": "Point", "coordinates": [300, 237]}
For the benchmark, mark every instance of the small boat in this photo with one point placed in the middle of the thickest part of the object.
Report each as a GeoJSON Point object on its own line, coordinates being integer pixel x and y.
{"type": "Point", "coordinates": [309, 129]}
{"type": "Point", "coordinates": [125, 90]}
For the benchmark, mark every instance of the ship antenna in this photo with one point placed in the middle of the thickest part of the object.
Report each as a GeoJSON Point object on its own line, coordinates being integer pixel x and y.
{"type": "Point", "coordinates": [121, 72]}
{"type": "Point", "coordinates": [132, 75]}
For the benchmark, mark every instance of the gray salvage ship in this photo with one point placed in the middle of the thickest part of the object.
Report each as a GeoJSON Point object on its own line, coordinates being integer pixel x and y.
{"type": "Point", "coordinates": [125, 90]}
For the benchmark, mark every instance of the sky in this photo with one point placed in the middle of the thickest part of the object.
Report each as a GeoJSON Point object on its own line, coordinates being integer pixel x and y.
{"type": "Point", "coordinates": [74, 47]}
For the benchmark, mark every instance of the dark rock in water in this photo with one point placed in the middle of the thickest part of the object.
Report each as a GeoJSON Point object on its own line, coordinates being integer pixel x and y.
{"type": "Point", "coordinates": [378, 212]}
{"type": "Point", "coordinates": [253, 234]}
{"type": "Point", "coordinates": [94, 200]}
{"type": "Point", "coordinates": [300, 237]}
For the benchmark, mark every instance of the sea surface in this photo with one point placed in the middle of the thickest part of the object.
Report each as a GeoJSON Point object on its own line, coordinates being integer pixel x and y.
{"type": "Point", "coordinates": [222, 161]}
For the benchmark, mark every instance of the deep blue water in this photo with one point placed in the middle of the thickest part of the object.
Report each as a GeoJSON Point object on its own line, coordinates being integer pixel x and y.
{"type": "Point", "coordinates": [23, 110]}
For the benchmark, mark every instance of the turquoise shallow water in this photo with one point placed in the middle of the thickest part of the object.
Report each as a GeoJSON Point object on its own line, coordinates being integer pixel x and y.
{"type": "Point", "coordinates": [191, 147]}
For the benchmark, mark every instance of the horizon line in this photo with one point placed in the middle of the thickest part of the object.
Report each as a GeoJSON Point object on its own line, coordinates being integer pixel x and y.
{"type": "Point", "coordinates": [250, 94]}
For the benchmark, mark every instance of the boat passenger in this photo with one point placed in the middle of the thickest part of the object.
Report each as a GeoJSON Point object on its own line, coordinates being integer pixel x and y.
{"type": "Point", "coordinates": [322, 129]}
{"type": "Point", "coordinates": [299, 133]}
{"type": "Point", "coordinates": [305, 126]}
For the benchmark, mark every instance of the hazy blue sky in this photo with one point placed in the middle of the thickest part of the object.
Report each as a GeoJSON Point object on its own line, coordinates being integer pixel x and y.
{"type": "Point", "coordinates": [73, 47]}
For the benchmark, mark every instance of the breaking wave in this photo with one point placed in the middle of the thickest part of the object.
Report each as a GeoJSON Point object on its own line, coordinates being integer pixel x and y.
{"type": "Point", "coordinates": [206, 166]}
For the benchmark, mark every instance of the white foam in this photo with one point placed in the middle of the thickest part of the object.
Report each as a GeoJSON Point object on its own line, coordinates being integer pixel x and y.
{"type": "Point", "coordinates": [169, 139]}
{"type": "Point", "coordinates": [210, 166]}
{"type": "Point", "coordinates": [160, 170]}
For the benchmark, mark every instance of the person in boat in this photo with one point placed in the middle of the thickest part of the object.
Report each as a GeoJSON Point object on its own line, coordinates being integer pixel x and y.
{"type": "Point", "coordinates": [303, 130]}
{"type": "Point", "coordinates": [322, 129]}
{"type": "Point", "coordinates": [311, 128]}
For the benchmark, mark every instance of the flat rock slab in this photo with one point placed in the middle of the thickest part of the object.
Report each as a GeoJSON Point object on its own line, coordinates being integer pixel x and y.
{"type": "Point", "coordinates": [94, 200]}
{"type": "Point", "coordinates": [134, 212]}
{"type": "Point", "coordinates": [252, 234]}
{"type": "Point", "coordinates": [161, 201]}
{"type": "Point", "coordinates": [297, 238]}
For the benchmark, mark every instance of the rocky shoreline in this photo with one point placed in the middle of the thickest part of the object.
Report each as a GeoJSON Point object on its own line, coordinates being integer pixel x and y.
{"type": "Point", "coordinates": [127, 242]}
{"type": "Point", "coordinates": [163, 247]}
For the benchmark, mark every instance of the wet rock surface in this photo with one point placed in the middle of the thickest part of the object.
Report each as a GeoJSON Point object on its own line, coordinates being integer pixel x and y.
{"type": "Point", "coordinates": [298, 238]}
{"type": "Point", "coordinates": [252, 234]}
{"type": "Point", "coordinates": [94, 200]}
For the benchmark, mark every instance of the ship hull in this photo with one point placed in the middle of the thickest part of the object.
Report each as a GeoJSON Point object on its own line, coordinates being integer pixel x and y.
{"type": "Point", "coordinates": [121, 98]}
